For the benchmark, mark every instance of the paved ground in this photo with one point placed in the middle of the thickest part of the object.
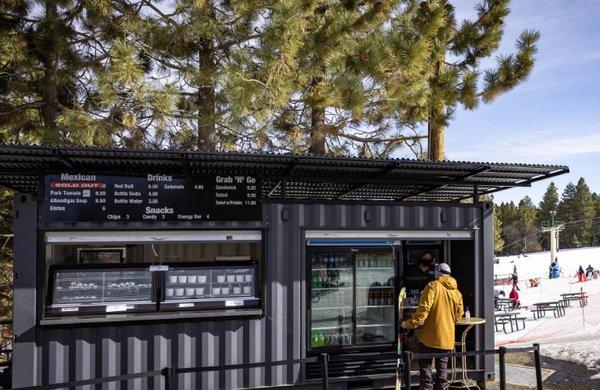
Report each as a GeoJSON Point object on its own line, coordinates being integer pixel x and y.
{"type": "Point", "coordinates": [567, 375]}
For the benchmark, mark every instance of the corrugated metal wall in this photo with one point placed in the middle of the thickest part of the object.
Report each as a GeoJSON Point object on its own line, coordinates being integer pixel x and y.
{"type": "Point", "coordinates": [88, 352]}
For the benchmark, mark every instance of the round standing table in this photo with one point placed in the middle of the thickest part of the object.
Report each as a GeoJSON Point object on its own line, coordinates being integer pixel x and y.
{"type": "Point", "coordinates": [464, 380]}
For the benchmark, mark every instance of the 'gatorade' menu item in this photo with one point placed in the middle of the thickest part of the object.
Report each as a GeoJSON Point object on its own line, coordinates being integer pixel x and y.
{"type": "Point", "coordinates": [152, 198]}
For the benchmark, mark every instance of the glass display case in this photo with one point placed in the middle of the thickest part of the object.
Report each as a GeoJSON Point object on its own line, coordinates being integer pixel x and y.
{"type": "Point", "coordinates": [352, 297]}
{"type": "Point", "coordinates": [83, 290]}
{"type": "Point", "coordinates": [331, 300]}
{"type": "Point", "coordinates": [226, 285]}
{"type": "Point", "coordinates": [375, 298]}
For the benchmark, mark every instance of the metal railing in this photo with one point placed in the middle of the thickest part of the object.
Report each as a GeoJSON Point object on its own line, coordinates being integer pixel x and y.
{"type": "Point", "coordinates": [169, 373]}
{"type": "Point", "coordinates": [501, 351]}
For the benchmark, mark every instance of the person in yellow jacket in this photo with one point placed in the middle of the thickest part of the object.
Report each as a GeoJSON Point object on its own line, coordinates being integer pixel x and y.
{"type": "Point", "coordinates": [440, 307]}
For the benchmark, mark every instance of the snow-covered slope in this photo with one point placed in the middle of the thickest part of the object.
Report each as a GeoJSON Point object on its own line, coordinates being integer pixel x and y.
{"type": "Point", "coordinates": [574, 337]}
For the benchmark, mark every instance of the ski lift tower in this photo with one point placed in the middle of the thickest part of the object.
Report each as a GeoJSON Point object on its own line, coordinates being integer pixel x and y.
{"type": "Point", "coordinates": [554, 228]}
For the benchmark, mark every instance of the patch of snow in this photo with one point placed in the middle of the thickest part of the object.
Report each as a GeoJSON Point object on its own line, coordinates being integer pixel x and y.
{"type": "Point", "coordinates": [574, 337]}
{"type": "Point", "coordinates": [586, 352]}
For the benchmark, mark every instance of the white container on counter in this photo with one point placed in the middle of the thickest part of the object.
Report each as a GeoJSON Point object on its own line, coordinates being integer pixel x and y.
{"type": "Point", "coordinates": [189, 291]}
{"type": "Point", "coordinates": [200, 291]}
{"type": "Point", "coordinates": [220, 278]}
{"type": "Point", "coordinates": [172, 278]}
{"type": "Point", "coordinates": [237, 290]}
{"type": "Point", "coordinates": [182, 278]}
{"type": "Point", "coordinates": [201, 278]}
{"type": "Point", "coordinates": [248, 277]}
{"type": "Point", "coordinates": [216, 291]}
{"type": "Point", "coordinates": [247, 289]}
{"type": "Point", "coordinates": [230, 278]}
{"type": "Point", "coordinates": [225, 290]}
{"type": "Point", "coordinates": [179, 292]}
{"type": "Point", "coordinates": [170, 292]}
{"type": "Point", "coordinates": [239, 278]}
{"type": "Point", "coordinates": [192, 279]}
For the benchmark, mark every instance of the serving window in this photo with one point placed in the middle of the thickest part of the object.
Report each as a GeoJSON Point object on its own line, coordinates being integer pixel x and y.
{"type": "Point", "coordinates": [95, 273]}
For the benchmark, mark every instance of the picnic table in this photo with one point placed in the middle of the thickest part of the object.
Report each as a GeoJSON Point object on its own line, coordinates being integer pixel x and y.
{"type": "Point", "coordinates": [556, 307]}
{"type": "Point", "coordinates": [504, 304]}
{"type": "Point", "coordinates": [581, 297]}
{"type": "Point", "coordinates": [510, 318]}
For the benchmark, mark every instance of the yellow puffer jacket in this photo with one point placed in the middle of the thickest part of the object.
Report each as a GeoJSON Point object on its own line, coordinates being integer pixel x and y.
{"type": "Point", "coordinates": [440, 306]}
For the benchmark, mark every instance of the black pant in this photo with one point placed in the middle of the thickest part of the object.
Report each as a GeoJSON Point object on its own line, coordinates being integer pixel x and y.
{"type": "Point", "coordinates": [426, 381]}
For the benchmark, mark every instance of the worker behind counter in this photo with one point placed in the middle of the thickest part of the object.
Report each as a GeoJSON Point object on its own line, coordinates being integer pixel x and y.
{"type": "Point", "coordinates": [419, 274]}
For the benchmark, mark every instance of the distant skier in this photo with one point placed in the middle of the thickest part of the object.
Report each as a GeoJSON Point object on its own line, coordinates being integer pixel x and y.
{"type": "Point", "coordinates": [497, 294]}
{"type": "Point", "coordinates": [514, 297]}
{"type": "Point", "coordinates": [589, 271]}
{"type": "Point", "coordinates": [515, 281]}
{"type": "Point", "coordinates": [554, 271]}
{"type": "Point", "coordinates": [580, 274]}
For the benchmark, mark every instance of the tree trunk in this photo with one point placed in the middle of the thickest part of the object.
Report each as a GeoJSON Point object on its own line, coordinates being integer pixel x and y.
{"type": "Point", "coordinates": [206, 92]}
{"type": "Point", "coordinates": [50, 86]}
{"type": "Point", "coordinates": [206, 98]}
{"type": "Point", "coordinates": [436, 136]}
{"type": "Point", "coordinates": [317, 131]}
{"type": "Point", "coordinates": [435, 126]}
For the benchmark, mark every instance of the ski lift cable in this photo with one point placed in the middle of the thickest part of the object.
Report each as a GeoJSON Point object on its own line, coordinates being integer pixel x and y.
{"type": "Point", "coordinates": [538, 233]}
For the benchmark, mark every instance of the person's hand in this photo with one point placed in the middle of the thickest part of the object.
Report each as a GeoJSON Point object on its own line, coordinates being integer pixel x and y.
{"type": "Point", "coordinates": [403, 324]}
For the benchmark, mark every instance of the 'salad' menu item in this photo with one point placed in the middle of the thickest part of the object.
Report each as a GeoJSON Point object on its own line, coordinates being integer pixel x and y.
{"type": "Point", "coordinates": [152, 198]}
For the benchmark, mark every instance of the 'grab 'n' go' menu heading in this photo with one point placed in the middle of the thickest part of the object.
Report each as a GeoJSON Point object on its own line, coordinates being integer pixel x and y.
{"type": "Point", "coordinates": [152, 198]}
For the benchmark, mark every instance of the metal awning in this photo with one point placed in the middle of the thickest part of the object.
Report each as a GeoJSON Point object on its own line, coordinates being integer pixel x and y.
{"type": "Point", "coordinates": [284, 176]}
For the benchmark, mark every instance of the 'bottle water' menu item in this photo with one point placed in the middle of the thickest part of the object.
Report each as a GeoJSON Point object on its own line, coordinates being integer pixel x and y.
{"type": "Point", "coordinates": [152, 198]}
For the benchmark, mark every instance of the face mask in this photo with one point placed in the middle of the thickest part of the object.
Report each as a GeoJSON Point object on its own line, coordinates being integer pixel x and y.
{"type": "Point", "coordinates": [427, 262]}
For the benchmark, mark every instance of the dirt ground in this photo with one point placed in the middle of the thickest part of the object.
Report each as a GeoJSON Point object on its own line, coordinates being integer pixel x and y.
{"type": "Point", "coordinates": [567, 375]}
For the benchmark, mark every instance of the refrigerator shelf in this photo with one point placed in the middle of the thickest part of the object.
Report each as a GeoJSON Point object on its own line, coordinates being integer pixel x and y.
{"type": "Point", "coordinates": [375, 287]}
{"type": "Point", "coordinates": [317, 270]}
{"type": "Point", "coordinates": [331, 327]}
{"type": "Point", "coordinates": [375, 268]}
{"type": "Point", "coordinates": [373, 325]}
{"type": "Point", "coordinates": [330, 288]}
{"type": "Point", "coordinates": [375, 306]}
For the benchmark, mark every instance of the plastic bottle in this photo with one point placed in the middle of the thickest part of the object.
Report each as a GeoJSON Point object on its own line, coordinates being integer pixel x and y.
{"type": "Point", "coordinates": [467, 313]}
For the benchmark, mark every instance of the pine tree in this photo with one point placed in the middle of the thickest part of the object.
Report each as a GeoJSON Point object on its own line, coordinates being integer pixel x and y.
{"type": "Point", "coordinates": [456, 70]}
{"type": "Point", "coordinates": [55, 56]}
{"type": "Point", "coordinates": [195, 48]}
{"type": "Point", "coordinates": [566, 213]}
{"type": "Point", "coordinates": [595, 228]}
{"type": "Point", "coordinates": [527, 212]}
{"type": "Point", "coordinates": [548, 204]}
{"type": "Point", "coordinates": [498, 240]}
{"type": "Point", "coordinates": [583, 212]}
{"type": "Point", "coordinates": [356, 81]}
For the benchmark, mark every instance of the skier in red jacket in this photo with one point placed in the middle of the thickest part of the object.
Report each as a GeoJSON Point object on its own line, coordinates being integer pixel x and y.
{"type": "Point", "coordinates": [514, 297]}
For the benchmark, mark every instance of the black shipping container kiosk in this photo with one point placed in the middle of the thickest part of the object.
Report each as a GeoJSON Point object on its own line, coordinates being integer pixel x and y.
{"type": "Point", "coordinates": [128, 261]}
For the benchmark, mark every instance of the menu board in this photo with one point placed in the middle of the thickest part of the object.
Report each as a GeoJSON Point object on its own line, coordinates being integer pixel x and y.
{"type": "Point", "coordinates": [151, 198]}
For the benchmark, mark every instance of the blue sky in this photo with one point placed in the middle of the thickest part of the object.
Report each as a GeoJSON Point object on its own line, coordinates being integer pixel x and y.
{"type": "Point", "coordinates": [554, 117]}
